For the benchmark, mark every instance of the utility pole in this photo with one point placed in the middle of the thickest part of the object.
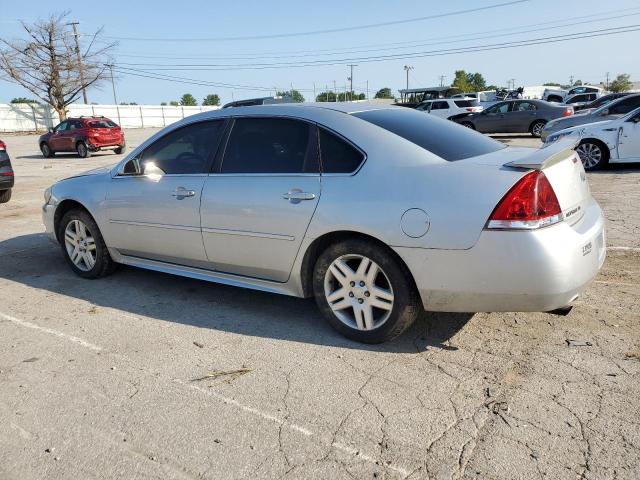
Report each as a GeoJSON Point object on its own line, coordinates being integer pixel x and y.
{"type": "Point", "coordinates": [113, 85]}
{"type": "Point", "coordinates": [80, 71]}
{"type": "Point", "coordinates": [607, 84]}
{"type": "Point", "coordinates": [335, 92]}
{"type": "Point", "coordinates": [512, 81]}
{"type": "Point", "coordinates": [351, 80]}
{"type": "Point", "coordinates": [442, 77]}
{"type": "Point", "coordinates": [314, 91]}
{"type": "Point", "coordinates": [367, 89]}
{"type": "Point", "coordinates": [571, 80]}
{"type": "Point", "coordinates": [407, 68]}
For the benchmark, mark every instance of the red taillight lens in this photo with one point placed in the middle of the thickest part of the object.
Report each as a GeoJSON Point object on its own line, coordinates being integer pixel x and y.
{"type": "Point", "coordinates": [3, 146]}
{"type": "Point", "coordinates": [6, 172]}
{"type": "Point", "coordinates": [531, 203]}
{"type": "Point", "coordinates": [568, 112]}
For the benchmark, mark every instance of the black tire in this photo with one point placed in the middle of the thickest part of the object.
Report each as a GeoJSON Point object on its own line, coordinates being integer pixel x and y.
{"type": "Point", "coordinates": [588, 153]}
{"type": "Point", "coordinates": [120, 149]}
{"type": "Point", "coordinates": [104, 265]}
{"type": "Point", "coordinates": [536, 128]}
{"type": "Point", "coordinates": [82, 149]}
{"type": "Point", "coordinates": [5, 196]}
{"type": "Point", "coordinates": [406, 301]}
{"type": "Point", "coordinates": [46, 150]}
{"type": "Point", "coordinates": [468, 125]}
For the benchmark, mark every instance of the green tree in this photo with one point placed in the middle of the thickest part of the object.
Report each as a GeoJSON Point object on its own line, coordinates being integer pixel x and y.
{"type": "Point", "coordinates": [461, 81]}
{"type": "Point", "coordinates": [211, 100]}
{"type": "Point", "coordinates": [293, 94]}
{"type": "Point", "coordinates": [384, 93]}
{"type": "Point", "coordinates": [173, 103]}
{"type": "Point", "coordinates": [476, 82]}
{"type": "Point", "coordinates": [577, 83]}
{"type": "Point", "coordinates": [326, 97]}
{"type": "Point", "coordinates": [622, 83]}
{"type": "Point", "coordinates": [188, 100]}
{"type": "Point", "coordinates": [163, 104]}
{"type": "Point", "coordinates": [551, 84]}
{"type": "Point", "coordinates": [24, 100]}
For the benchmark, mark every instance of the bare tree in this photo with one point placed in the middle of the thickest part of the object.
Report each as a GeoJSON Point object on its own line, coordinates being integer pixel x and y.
{"type": "Point", "coordinates": [47, 64]}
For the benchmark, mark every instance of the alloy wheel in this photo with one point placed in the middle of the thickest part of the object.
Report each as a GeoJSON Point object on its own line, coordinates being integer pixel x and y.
{"type": "Point", "coordinates": [537, 129]}
{"type": "Point", "coordinates": [358, 292]}
{"type": "Point", "coordinates": [80, 245]}
{"type": "Point", "coordinates": [590, 154]}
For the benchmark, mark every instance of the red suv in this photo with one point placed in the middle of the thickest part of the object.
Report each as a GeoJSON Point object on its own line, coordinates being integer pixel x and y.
{"type": "Point", "coordinates": [83, 135]}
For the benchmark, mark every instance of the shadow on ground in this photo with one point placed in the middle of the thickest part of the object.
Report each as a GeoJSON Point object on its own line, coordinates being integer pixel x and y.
{"type": "Point", "coordinates": [34, 261]}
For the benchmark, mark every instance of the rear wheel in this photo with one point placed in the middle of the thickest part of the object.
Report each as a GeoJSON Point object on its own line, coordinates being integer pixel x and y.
{"type": "Point", "coordinates": [537, 127]}
{"type": "Point", "coordinates": [120, 149]}
{"type": "Point", "coordinates": [46, 150]}
{"type": "Point", "coordinates": [364, 292]}
{"type": "Point", "coordinates": [82, 149]}
{"type": "Point", "coordinates": [83, 246]}
{"type": "Point", "coordinates": [5, 196]}
{"type": "Point", "coordinates": [593, 154]}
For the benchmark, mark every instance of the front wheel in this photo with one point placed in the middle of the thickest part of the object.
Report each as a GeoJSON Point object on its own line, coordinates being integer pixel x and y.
{"type": "Point", "coordinates": [537, 128]}
{"type": "Point", "coordinates": [83, 246]}
{"type": "Point", "coordinates": [46, 150]}
{"type": "Point", "coordinates": [364, 292]}
{"type": "Point", "coordinates": [592, 154]}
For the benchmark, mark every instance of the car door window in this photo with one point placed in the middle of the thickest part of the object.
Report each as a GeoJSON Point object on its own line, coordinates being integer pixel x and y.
{"type": "Point", "coordinates": [524, 107]}
{"type": "Point", "coordinates": [62, 127]}
{"type": "Point", "coordinates": [186, 150]}
{"type": "Point", "coordinates": [625, 106]}
{"type": "Point", "coordinates": [336, 155]}
{"type": "Point", "coordinates": [271, 145]}
{"type": "Point", "coordinates": [499, 108]}
{"type": "Point", "coordinates": [440, 106]}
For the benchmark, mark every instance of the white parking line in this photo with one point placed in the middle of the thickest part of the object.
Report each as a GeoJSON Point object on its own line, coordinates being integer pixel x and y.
{"type": "Point", "coordinates": [228, 401]}
{"type": "Point", "coordinates": [51, 331]}
{"type": "Point", "coordinates": [625, 249]}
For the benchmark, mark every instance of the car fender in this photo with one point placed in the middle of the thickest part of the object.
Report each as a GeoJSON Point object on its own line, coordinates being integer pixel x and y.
{"type": "Point", "coordinates": [87, 190]}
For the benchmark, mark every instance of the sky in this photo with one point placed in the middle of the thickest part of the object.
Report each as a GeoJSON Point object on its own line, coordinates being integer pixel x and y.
{"type": "Point", "coordinates": [230, 38]}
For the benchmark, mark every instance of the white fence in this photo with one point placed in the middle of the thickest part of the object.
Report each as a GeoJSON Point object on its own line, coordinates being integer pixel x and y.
{"type": "Point", "coordinates": [22, 117]}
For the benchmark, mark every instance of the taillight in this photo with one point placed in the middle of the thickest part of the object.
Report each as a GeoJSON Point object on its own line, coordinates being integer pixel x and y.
{"type": "Point", "coordinates": [567, 112]}
{"type": "Point", "coordinates": [531, 203]}
{"type": "Point", "coordinates": [6, 172]}
{"type": "Point", "coordinates": [3, 146]}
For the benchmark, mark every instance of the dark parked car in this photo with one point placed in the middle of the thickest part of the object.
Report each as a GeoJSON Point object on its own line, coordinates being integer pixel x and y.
{"type": "Point", "coordinates": [514, 116]}
{"type": "Point", "coordinates": [83, 135]}
{"type": "Point", "coordinates": [608, 111]}
{"type": "Point", "coordinates": [601, 101]}
{"type": "Point", "coordinates": [6, 174]}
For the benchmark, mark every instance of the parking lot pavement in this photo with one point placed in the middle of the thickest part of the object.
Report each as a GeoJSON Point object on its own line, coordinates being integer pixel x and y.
{"type": "Point", "coordinates": [145, 375]}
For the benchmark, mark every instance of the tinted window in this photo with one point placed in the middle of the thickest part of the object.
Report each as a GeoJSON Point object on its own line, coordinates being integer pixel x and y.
{"type": "Point", "coordinates": [62, 127]}
{"type": "Point", "coordinates": [467, 103]}
{"type": "Point", "coordinates": [102, 124]}
{"type": "Point", "coordinates": [444, 138]}
{"type": "Point", "coordinates": [186, 150]}
{"type": "Point", "coordinates": [439, 106]}
{"type": "Point", "coordinates": [579, 98]}
{"type": "Point", "coordinates": [270, 145]}
{"type": "Point", "coordinates": [625, 105]}
{"type": "Point", "coordinates": [337, 155]}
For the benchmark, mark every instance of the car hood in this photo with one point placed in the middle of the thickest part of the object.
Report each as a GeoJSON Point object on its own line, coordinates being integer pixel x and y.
{"type": "Point", "coordinates": [94, 171]}
{"type": "Point", "coordinates": [575, 120]}
{"type": "Point", "coordinates": [594, 125]}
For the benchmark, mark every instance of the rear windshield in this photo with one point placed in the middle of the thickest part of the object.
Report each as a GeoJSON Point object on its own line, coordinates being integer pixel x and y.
{"type": "Point", "coordinates": [466, 103]}
{"type": "Point", "coordinates": [444, 138]}
{"type": "Point", "coordinates": [102, 124]}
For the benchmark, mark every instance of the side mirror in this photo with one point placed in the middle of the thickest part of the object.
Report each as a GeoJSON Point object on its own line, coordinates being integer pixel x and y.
{"type": "Point", "coordinates": [132, 167]}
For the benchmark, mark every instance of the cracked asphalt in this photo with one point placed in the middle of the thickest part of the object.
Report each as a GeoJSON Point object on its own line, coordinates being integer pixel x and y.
{"type": "Point", "coordinates": [143, 375]}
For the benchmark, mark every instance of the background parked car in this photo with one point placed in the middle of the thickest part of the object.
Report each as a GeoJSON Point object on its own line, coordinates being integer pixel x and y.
{"type": "Point", "coordinates": [581, 100]}
{"type": "Point", "coordinates": [559, 95]}
{"type": "Point", "coordinates": [609, 111]}
{"type": "Point", "coordinates": [6, 174]}
{"type": "Point", "coordinates": [598, 102]}
{"type": "Point", "coordinates": [514, 116]}
{"type": "Point", "coordinates": [83, 135]}
{"type": "Point", "coordinates": [446, 107]}
{"type": "Point", "coordinates": [613, 141]}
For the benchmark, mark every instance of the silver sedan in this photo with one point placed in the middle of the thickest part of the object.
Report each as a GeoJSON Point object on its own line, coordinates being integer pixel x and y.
{"type": "Point", "coordinates": [377, 212]}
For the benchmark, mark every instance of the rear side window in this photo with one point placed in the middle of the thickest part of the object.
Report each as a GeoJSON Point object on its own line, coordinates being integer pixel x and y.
{"type": "Point", "coordinates": [271, 145]}
{"type": "Point", "coordinates": [439, 106]}
{"type": "Point", "coordinates": [444, 138]}
{"type": "Point", "coordinates": [338, 156]}
{"type": "Point", "coordinates": [466, 103]}
{"type": "Point", "coordinates": [186, 150]}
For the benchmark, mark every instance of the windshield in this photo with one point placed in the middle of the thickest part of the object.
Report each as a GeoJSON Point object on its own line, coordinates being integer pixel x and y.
{"type": "Point", "coordinates": [444, 138]}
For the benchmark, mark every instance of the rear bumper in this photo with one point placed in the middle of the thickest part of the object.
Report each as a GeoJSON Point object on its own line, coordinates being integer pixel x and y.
{"type": "Point", "coordinates": [538, 270]}
{"type": "Point", "coordinates": [6, 183]}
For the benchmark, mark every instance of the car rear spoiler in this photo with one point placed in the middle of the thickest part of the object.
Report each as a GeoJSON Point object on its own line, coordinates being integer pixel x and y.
{"type": "Point", "coordinates": [546, 156]}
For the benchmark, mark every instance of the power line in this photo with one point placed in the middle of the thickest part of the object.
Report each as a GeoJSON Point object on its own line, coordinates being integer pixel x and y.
{"type": "Point", "coordinates": [400, 45]}
{"type": "Point", "coordinates": [321, 32]}
{"type": "Point", "coordinates": [407, 55]}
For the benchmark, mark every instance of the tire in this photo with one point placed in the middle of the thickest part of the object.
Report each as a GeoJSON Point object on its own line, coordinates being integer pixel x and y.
{"type": "Point", "coordinates": [468, 125]}
{"type": "Point", "coordinates": [5, 196]}
{"type": "Point", "coordinates": [101, 263]}
{"type": "Point", "coordinates": [536, 128]}
{"type": "Point", "coordinates": [120, 149]}
{"type": "Point", "coordinates": [593, 154]}
{"type": "Point", "coordinates": [390, 287]}
{"type": "Point", "coordinates": [46, 150]}
{"type": "Point", "coordinates": [82, 150]}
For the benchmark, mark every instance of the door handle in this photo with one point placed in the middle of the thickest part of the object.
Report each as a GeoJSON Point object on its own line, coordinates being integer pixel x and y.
{"type": "Point", "coordinates": [182, 192]}
{"type": "Point", "coordinates": [296, 196]}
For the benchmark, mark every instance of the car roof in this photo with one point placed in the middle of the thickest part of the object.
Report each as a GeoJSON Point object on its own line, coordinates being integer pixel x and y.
{"type": "Point", "coordinates": [294, 109]}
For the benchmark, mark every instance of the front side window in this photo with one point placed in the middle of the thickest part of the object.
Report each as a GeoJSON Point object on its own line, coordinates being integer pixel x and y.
{"type": "Point", "coordinates": [466, 103]}
{"type": "Point", "coordinates": [61, 127]}
{"type": "Point", "coordinates": [271, 145]}
{"type": "Point", "coordinates": [337, 156]}
{"type": "Point", "coordinates": [186, 150]}
{"type": "Point", "coordinates": [440, 106]}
